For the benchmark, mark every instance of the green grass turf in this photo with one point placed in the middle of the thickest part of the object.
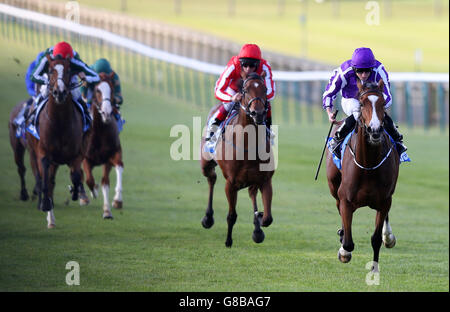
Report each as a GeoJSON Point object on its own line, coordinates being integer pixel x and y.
{"type": "Point", "coordinates": [330, 38]}
{"type": "Point", "coordinates": [156, 243]}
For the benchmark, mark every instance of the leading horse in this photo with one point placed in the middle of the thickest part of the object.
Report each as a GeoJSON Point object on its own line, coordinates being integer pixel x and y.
{"type": "Point", "coordinates": [60, 126]}
{"type": "Point", "coordinates": [103, 144]}
{"type": "Point", "coordinates": [235, 154]}
{"type": "Point", "coordinates": [369, 173]}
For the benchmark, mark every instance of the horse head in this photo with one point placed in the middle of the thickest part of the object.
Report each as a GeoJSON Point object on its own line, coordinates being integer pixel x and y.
{"type": "Point", "coordinates": [59, 78]}
{"type": "Point", "coordinates": [254, 99]}
{"type": "Point", "coordinates": [103, 96]}
{"type": "Point", "coordinates": [371, 99]}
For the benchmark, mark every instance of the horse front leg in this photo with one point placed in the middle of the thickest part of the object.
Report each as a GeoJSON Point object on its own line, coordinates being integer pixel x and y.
{"type": "Point", "coordinates": [45, 204]}
{"type": "Point", "coordinates": [209, 172]}
{"type": "Point", "coordinates": [105, 190]}
{"type": "Point", "coordinates": [118, 165]}
{"type": "Point", "coordinates": [258, 234]}
{"type": "Point", "coordinates": [84, 199]}
{"type": "Point", "coordinates": [231, 193]}
{"type": "Point", "coordinates": [389, 239]}
{"type": "Point", "coordinates": [266, 194]}
{"type": "Point", "coordinates": [346, 211]}
{"type": "Point", "coordinates": [75, 177]}
{"type": "Point", "coordinates": [90, 181]}
{"type": "Point", "coordinates": [51, 223]}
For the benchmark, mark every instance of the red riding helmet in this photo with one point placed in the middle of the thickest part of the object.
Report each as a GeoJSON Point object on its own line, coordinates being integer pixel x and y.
{"type": "Point", "coordinates": [63, 48]}
{"type": "Point", "coordinates": [250, 51]}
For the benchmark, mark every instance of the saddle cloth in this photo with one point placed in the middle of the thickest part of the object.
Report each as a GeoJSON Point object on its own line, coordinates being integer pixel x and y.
{"type": "Point", "coordinates": [210, 146]}
{"type": "Point", "coordinates": [33, 126]}
{"type": "Point", "coordinates": [338, 161]}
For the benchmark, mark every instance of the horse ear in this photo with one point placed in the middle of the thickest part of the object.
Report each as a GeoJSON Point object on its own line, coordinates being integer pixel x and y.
{"type": "Point", "coordinates": [381, 85]}
{"type": "Point", "coordinates": [111, 75]}
{"type": "Point", "coordinates": [48, 58]}
{"type": "Point", "coordinates": [359, 84]}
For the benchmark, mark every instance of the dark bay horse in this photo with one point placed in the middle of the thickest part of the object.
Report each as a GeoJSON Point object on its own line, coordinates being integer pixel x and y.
{"type": "Point", "coordinates": [238, 153]}
{"type": "Point", "coordinates": [370, 167]}
{"type": "Point", "coordinates": [103, 144]}
{"type": "Point", "coordinates": [61, 138]}
{"type": "Point", "coordinates": [19, 146]}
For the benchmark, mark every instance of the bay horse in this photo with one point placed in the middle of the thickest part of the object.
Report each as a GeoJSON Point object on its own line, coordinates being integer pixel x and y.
{"type": "Point", "coordinates": [103, 144]}
{"type": "Point", "coordinates": [19, 146]}
{"type": "Point", "coordinates": [240, 168]}
{"type": "Point", "coordinates": [61, 138]}
{"type": "Point", "coordinates": [369, 173]}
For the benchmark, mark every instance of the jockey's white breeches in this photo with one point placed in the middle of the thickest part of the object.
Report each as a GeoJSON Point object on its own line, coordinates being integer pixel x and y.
{"type": "Point", "coordinates": [351, 107]}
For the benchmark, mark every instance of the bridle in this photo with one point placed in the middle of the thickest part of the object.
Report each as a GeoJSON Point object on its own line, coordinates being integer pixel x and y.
{"type": "Point", "coordinates": [244, 92]}
{"type": "Point", "coordinates": [360, 96]}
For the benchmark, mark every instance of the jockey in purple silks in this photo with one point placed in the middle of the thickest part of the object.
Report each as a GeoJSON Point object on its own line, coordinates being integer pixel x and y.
{"type": "Point", "coordinates": [365, 67]}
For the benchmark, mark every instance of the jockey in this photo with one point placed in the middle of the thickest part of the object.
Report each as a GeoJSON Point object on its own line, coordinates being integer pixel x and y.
{"type": "Point", "coordinates": [365, 67]}
{"type": "Point", "coordinates": [102, 66]}
{"type": "Point", "coordinates": [248, 60]}
{"type": "Point", "coordinates": [77, 67]}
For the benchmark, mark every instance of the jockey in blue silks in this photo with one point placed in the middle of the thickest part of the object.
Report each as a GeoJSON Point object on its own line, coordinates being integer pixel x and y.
{"type": "Point", "coordinates": [31, 86]}
{"type": "Point", "coordinates": [365, 67]}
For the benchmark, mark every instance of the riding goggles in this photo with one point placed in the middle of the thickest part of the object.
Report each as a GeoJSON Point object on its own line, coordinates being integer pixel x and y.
{"type": "Point", "coordinates": [363, 70]}
{"type": "Point", "coordinates": [249, 63]}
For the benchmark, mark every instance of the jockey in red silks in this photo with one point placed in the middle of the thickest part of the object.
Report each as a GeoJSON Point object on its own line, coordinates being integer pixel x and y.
{"type": "Point", "coordinates": [248, 61]}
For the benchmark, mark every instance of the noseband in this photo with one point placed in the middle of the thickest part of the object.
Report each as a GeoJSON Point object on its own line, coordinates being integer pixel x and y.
{"type": "Point", "coordinates": [244, 91]}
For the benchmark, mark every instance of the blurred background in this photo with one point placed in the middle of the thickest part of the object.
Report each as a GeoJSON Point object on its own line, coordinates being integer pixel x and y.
{"type": "Point", "coordinates": [295, 35]}
{"type": "Point", "coordinates": [168, 55]}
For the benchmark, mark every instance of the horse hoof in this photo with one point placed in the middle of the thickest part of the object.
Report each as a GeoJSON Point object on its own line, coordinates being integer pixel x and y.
{"type": "Point", "coordinates": [267, 221]}
{"type": "Point", "coordinates": [208, 222]}
{"type": "Point", "coordinates": [117, 204]}
{"type": "Point", "coordinates": [389, 241]}
{"type": "Point", "coordinates": [258, 236]}
{"type": "Point", "coordinates": [84, 200]}
{"type": "Point", "coordinates": [344, 256]}
{"type": "Point", "coordinates": [24, 195]}
{"type": "Point", "coordinates": [228, 243]}
{"type": "Point", "coordinates": [107, 216]}
{"type": "Point", "coordinates": [51, 226]}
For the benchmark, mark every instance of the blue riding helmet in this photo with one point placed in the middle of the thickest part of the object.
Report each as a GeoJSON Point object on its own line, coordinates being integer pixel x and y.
{"type": "Point", "coordinates": [363, 58]}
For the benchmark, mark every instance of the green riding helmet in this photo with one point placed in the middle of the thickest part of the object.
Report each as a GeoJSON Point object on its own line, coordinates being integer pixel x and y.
{"type": "Point", "coordinates": [102, 66]}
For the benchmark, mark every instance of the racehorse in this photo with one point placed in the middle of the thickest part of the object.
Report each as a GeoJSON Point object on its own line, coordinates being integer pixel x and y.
{"type": "Point", "coordinates": [369, 174]}
{"type": "Point", "coordinates": [103, 144]}
{"type": "Point", "coordinates": [60, 126]}
{"type": "Point", "coordinates": [19, 145]}
{"type": "Point", "coordinates": [237, 143]}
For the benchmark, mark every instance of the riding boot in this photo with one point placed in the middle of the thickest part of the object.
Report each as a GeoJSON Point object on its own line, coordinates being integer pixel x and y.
{"type": "Point", "coordinates": [85, 109]}
{"type": "Point", "coordinates": [391, 129]}
{"type": "Point", "coordinates": [212, 127]}
{"type": "Point", "coordinates": [27, 108]}
{"type": "Point", "coordinates": [341, 133]}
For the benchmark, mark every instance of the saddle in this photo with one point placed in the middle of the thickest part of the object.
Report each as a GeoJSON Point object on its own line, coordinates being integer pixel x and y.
{"type": "Point", "coordinates": [33, 118]}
